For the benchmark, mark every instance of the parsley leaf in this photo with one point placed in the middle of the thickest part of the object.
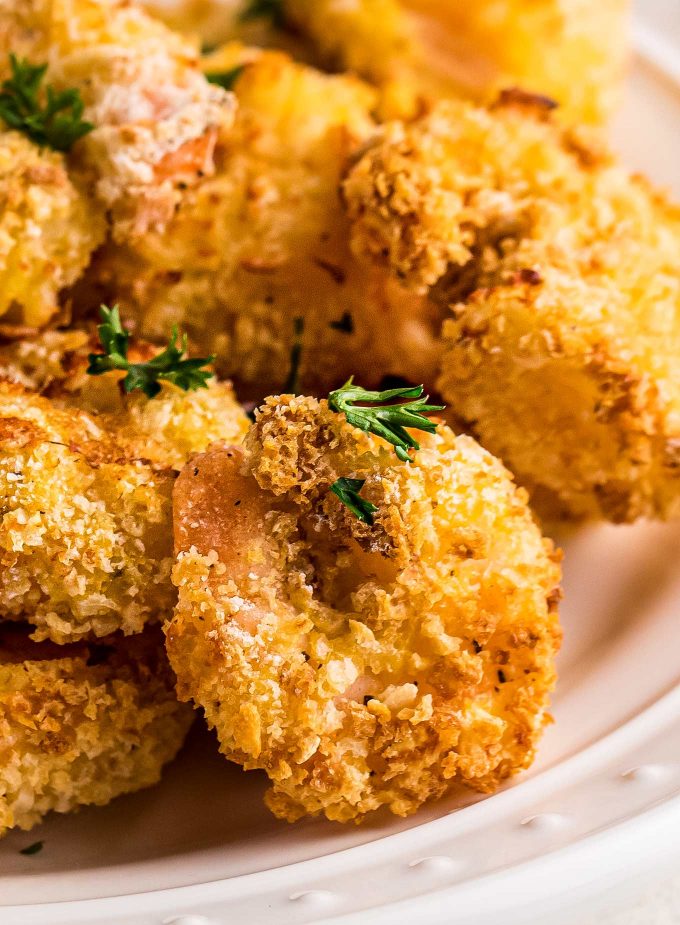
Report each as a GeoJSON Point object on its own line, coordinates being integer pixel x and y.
{"type": "Point", "coordinates": [345, 324]}
{"type": "Point", "coordinates": [32, 849]}
{"type": "Point", "coordinates": [169, 366]}
{"type": "Point", "coordinates": [57, 124]}
{"type": "Point", "coordinates": [226, 79]}
{"type": "Point", "coordinates": [292, 384]}
{"type": "Point", "coordinates": [378, 414]}
{"type": "Point", "coordinates": [264, 9]}
{"type": "Point", "coordinates": [347, 490]}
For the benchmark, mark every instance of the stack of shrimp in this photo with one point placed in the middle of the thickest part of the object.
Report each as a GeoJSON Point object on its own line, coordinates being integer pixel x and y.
{"type": "Point", "coordinates": [329, 189]}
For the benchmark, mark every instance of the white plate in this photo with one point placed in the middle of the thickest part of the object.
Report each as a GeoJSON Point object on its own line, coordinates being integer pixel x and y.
{"type": "Point", "coordinates": [597, 815]}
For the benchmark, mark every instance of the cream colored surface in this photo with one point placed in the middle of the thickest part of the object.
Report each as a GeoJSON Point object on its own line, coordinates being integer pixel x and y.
{"type": "Point", "coordinates": [661, 906]}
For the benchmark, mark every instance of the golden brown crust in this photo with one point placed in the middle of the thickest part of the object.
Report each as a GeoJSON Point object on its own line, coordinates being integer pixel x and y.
{"type": "Point", "coordinates": [48, 230]}
{"type": "Point", "coordinates": [82, 724]}
{"type": "Point", "coordinates": [165, 430]}
{"type": "Point", "coordinates": [562, 272]}
{"type": "Point", "coordinates": [362, 667]}
{"type": "Point", "coordinates": [266, 241]}
{"type": "Point", "coordinates": [156, 119]}
{"type": "Point", "coordinates": [84, 529]}
{"type": "Point", "coordinates": [420, 51]}
{"type": "Point", "coordinates": [85, 487]}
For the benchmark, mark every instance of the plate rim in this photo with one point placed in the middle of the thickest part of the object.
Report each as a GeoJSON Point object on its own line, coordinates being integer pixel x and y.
{"type": "Point", "coordinates": [616, 847]}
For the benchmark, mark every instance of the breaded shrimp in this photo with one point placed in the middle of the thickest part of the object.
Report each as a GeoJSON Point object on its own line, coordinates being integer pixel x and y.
{"type": "Point", "coordinates": [156, 117]}
{"type": "Point", "coordinates": [563, 274]}
{"type": "Point", "coordinates": [85, 498]}
{"type": "Point", "coordinates": [165, 430]}
{"type": "Point", "coordinates": [48, 230]}
{"type": "Point", "coordinates": [266, 241]}
{"type": "Point", "coordinates": [82, 724]}
{"type": "Point", "coordinates": [418, 51]}
{"type": "Point", "coordinates": [84, 545]}
{"type": "Point", "coordinates": [573, 51]}
{"type": "Point", "coordinates": [362, 666]}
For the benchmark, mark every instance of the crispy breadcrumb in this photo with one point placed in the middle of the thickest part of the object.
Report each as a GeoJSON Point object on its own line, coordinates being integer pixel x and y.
{"type": "Point", "coordinates": [165, 430]}
{"type": "Point", "coordinates": [563, 273]}
{"type": "Point", "coordinates": [84, 544]}
{"type": "Point", "coordinates": [85, 497]}
{"type": "Point", "coordinates": [362, 666]}
{"type": "Point", "coordinates": [39, 360]}
{"type": "Point", "coordinates": [266, 241]}
{"type": "Point", "coordinates": [156, 117]}
{"type": "Point", "coordinates": [48, 229]}
{"type": "Point", "coordinates": [82, 724]}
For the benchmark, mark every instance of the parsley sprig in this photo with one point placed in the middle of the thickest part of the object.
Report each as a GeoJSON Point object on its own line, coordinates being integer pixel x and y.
{"type": "Point", "coordinates": [169, 366]}
{"type": "Point", "coordinates": [264, 9]}
{"type": "Point", "coordinates": [57, 123]}
{"type": "Point", "coordinates": [34, 848]}
{"type": "Point", "coordinates": [226, 79]}
{"type": "Point", "coordinates": [376, 413]}
{"type": "Point", "coordinates": [385, 414]}
{"type": "Point", "coordinates": [292, 383]}
{"type": "Point", "coordinates": [347, 490]}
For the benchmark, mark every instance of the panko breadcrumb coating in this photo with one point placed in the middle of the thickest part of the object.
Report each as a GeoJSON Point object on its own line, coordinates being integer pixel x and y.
{"type": "Point", "coordinates": [84, 530]}
{"type": "Point", "coordinates": [266, 241]}
{"type": "Point", "coordinates": [85, 497]}
{"type": "Point", "coordinates": [82, 724]}
{"type": "Point", "coordinates": [165, 430]}
{"type": "Point", "coordinates": [563, 274]}
{"type": "Point", "coordinates": [156, 117]}
{"type": "Point", "coordinates": [48, 230]}
{"type": "Point", "coordinates": [362, 666]}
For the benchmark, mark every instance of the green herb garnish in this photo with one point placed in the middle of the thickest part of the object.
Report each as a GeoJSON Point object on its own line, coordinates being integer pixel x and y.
{"type": "Point", "coordinates": [347, 490]}
{"type": "Point", "coordinates": [169, 366]}
{"type": "Point", "coordinates": [264, 9]}
{"type": "Point", "coordinates": [292, 385]}
{"type": "Point", "coordinates": [57, 123]}
{"type": "Point", "coordinates": [226, 79]}
{"type": "Point", "coordinates": [32, 849]}
{"type": "Point", "coordinates": [377, 414]}
{"type": "Point", "coordinates": [345, 324]}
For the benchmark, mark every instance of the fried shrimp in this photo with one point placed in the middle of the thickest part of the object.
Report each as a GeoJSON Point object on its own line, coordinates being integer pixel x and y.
{"type": "Point", "coordinates": [48, 230]}
{"type": "Point", "coordinates": [420, 50]}
{"type": "Point", "coordinates": [83, 723]}
{"type": "Point", "coordinates": [266, 241]}
{"type": "Point", "coordinates": [156, 118]}
{"type": "Point", "coordinates": [563, 274]}
{"type": "Point", "coordinates": [573, 51]}
{"type": "Point", "coordinates": [165, 430]}
{"type": "Point", "coordinates": [362, 666]}
{"type": "Point", "coordinates": [85, 497]}
{"type": "Point", "coordinates": [84, 546]}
